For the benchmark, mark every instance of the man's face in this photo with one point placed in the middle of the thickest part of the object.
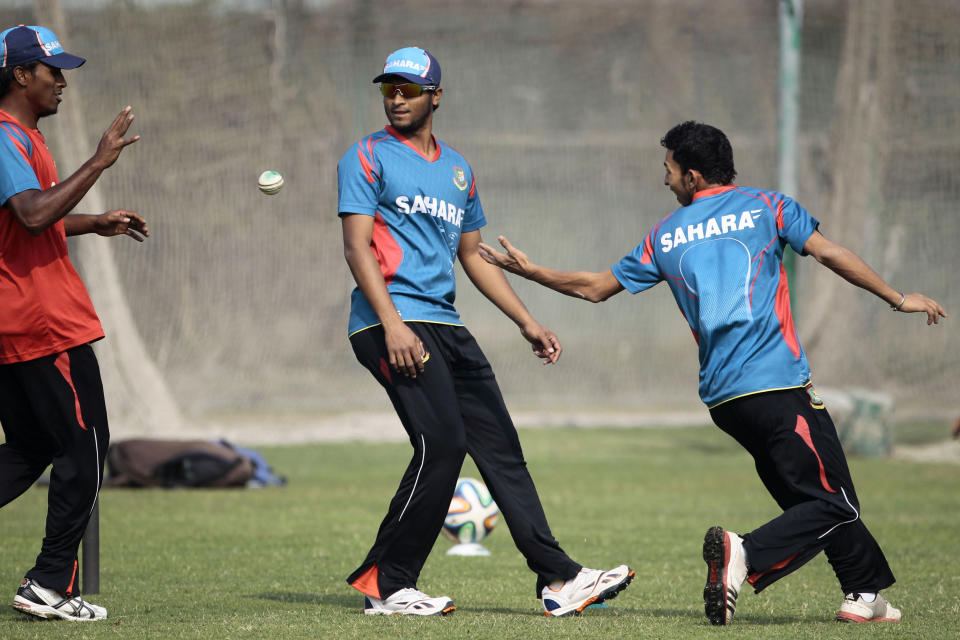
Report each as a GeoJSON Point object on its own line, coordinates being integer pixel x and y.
{"type": "Point", "coordinates": [44, 86]}
{"type": "Point", "coordinates": [682, 184]}
{"type": "Point", "coordinates": [409, 115]}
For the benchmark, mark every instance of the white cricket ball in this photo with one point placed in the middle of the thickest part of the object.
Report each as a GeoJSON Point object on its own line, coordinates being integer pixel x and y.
{"type": "Point", "coordinates": [270, 182]}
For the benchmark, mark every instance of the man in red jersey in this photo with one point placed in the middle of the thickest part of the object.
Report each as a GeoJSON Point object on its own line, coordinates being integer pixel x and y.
{"type": "Point", "coordinates": [51, 397]}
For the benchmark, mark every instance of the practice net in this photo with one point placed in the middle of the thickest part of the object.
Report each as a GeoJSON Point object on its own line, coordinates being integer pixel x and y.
{"type": "Point", "coordinates": [237, 304]}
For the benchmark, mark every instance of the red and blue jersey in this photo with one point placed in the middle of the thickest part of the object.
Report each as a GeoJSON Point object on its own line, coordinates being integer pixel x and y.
{"type": "Point", "coordinates": [722, 258]}
{"type": "Point", "coordinates": [420, 207]}
{"type": "Point", "coordinates": [44, 307]}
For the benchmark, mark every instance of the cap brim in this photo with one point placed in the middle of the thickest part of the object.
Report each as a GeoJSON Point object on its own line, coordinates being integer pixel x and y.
{"type": "Point", "coordinates": [409, 77]}
{"type": "Point", "coordinates": [63, 60]}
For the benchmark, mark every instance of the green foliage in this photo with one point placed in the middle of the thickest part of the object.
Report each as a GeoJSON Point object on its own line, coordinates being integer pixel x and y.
{"type": "Point", "coordinates": [271, 563]}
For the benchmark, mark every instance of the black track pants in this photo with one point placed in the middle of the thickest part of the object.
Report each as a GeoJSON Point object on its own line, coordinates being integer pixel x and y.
{"type": "Point", "coordinates": [453, 408]}
{"type": "Point", "coordinates": [52, 411]}
{"type": "Point", "coordinates": [799, 458]}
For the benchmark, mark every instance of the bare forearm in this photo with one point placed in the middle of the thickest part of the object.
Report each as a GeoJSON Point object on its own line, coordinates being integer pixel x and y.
{"type": "Point", "coordinates": [76, 224]}
{"type": "Point", "coordinates": [491, 282]}
{"type": "Point", "coordinates": [366, 272]}
{"type": "Point", "coordinates": [38, 210]}
{"type": "Point", "coordinates": [854, 270]}
{"type": "Point", "coordinates": [851, 268]}
{"type": "Point", "coordinates": [585, 285]}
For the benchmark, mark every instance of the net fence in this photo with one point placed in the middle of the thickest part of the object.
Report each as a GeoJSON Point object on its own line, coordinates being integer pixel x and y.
{"type": "Point", "coordinates": [237, 304]}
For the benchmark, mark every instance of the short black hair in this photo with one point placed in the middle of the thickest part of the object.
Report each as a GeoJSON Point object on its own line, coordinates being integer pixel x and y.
{"type": "Point", "coordinates": [6, 75]}
{"type": "Point", "coordinates": [703, 148]}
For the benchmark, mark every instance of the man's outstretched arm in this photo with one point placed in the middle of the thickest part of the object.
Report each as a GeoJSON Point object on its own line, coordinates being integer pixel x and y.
{"type": "Point", "coordinates": [586, 285]}
{"type": "Point", "coordinates": [491, 283]}
{"type": "Point", "coordinates": [36, 210]}
{"type": "Point", "coordinates": [112, 223]}
{"type": "Point", "coordinates": [854, 270]}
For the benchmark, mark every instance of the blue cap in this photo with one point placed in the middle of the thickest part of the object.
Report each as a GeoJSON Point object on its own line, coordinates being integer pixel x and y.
{"type": "Point", "coordinates": [21, 45]}
{"type": "Point", "coordinates": [412, 64]}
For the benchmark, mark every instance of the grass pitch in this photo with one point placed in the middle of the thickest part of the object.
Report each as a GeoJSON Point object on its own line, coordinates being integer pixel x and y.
{"type": "Point", "coordinates": [236, 564]}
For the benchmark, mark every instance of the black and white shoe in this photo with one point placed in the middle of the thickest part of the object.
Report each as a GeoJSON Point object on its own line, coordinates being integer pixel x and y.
{"type": "Point", "coordinates": [46, 603]}
{"type": "Point", "coordinates": [726, 571]}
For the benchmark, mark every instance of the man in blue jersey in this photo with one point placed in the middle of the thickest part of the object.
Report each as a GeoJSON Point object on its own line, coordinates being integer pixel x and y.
{"type": "Point", "coordinates": [409, 208]}
{"type": "Point", "coordinates": [721, 254]}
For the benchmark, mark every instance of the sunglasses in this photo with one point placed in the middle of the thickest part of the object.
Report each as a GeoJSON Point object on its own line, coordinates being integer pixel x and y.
{"type": "Point", "coordinates": [408, 90]}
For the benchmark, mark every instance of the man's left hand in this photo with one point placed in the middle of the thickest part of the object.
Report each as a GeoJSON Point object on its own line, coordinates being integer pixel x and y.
{"type": "Point", "coordinates": [545, 343]}
{"type": "Point", "coordinates": [121, 222]}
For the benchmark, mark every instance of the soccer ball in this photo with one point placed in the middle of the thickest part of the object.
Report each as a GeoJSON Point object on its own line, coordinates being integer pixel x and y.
{"type": "Point", "coordinates": [472, 514]}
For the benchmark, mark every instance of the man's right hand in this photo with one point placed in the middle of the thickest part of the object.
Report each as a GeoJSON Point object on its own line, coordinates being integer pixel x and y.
{"type": "Point", "coordinates": [112, 142]}
{"type": "Point", "coordinates": [514, 260]}
{"type": "Point", "coordinates": [406, 350]}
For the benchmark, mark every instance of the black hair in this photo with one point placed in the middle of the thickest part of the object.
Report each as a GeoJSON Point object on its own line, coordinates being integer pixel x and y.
{"type": "Point", "coordinates": [6, 75]}
{"type": "Point", "coordinates": [703, 148]}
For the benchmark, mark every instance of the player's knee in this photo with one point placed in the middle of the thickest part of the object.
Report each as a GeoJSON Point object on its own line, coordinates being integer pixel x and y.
{"type": "Point", "coordinates": [452, 447]}
{"type": "Point", "coordinates": [842, 508]}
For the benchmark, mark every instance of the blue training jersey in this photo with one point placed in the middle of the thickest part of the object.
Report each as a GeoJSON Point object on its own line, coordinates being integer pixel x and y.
{"type": "Point", "coordinates": [420, 207]}
{"type": "Point", "coordinates": [722, 258]}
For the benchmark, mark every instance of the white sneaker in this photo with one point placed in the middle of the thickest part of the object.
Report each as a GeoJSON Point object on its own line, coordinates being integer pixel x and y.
{"type": "Point", "coordinates": [726, 571]}
{"type": "Point", "coordinates": [856, 609]}
{"type": "Point", "coordinates": [590, 586]}
{"type": "Point", "coordinates": [46, 603]}
{"type": "Point", "coordinates": [408, 602]}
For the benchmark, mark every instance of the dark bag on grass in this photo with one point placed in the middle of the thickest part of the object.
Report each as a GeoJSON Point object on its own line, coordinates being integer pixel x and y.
{"type": "Point", "coordinates": [175, 463]}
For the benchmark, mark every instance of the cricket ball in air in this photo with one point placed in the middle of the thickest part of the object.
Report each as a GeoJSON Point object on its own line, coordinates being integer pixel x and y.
{"type": "Point", "coordinates": [270, 182]}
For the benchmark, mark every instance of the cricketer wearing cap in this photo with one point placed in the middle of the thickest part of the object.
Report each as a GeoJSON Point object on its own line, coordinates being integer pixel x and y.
{"type": "Point", "coordinates": [410, 208]}
{"type": "Point", "coordinates": [51, 396]}
{"type": "Point", "coordinates": [721, 255]}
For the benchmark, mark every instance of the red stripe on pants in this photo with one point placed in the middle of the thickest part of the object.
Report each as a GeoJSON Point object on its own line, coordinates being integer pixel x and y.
{"type": "Point", "coordinates": [63, 364]}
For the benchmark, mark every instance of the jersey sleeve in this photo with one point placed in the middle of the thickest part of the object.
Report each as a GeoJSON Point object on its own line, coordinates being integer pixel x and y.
{"type": "Point", "coordinates": [473, 217]}
{"type": "Point", "coordinates": [358, 182]}
{"type": "Point", "coordinates": [637, 270]}
{"type": "Point", "coordinates": [796, 225]}
{"type": "Point", "coordinates": [16, 172]}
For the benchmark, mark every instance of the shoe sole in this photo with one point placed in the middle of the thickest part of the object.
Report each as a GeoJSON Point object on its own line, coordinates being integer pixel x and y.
{"type": "Point", "coordinates": [715, 592]}
{"type": "Point", "coordinates": [46, 612]}
{"type": "Point", "coordinates": [609, 593]}
{"type": "Point", "coordinates": [384, 612]}
{"type": "Point", "coordinates": [851, 617]}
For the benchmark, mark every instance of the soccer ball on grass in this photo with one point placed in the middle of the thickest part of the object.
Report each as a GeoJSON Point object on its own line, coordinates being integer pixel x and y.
{"type": "Point", "coordinates": [472, 514]}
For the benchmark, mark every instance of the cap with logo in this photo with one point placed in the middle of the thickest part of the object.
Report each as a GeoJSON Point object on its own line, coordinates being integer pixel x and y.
{"type": "Point", "coordinates": [413, 64]}
{"type": "Point", "coordinates": [22, 44]}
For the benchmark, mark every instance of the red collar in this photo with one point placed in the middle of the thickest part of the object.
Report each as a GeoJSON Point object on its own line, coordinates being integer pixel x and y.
{"type": "Point", "coordinates": [399, 136]}
{"type": "Point", "coordinates": [712, 191]}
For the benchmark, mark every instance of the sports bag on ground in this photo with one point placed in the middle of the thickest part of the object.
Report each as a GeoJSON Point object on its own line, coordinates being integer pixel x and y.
{"type": "Point", "coordinates": [144, 462]}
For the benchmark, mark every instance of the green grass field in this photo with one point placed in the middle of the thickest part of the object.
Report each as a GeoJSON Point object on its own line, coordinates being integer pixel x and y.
{"type": "Point", "coordinates": [226, 564]}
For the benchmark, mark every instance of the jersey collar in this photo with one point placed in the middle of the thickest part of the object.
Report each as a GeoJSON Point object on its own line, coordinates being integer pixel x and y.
{"type": "Point", "coordinates": [712, 191]}
{"type": "Point", "coordinates": [399, 136]}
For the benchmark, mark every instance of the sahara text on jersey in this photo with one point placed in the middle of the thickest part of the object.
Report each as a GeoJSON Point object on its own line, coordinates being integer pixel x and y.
{"type": "Point", "coordinates": [434, 206]}
{"type": "Point", "coordinates": [714, 228]}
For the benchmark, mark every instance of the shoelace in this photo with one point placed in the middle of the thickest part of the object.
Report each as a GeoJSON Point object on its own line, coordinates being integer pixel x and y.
{"type": "Point", "coordinates": [412, 594]}
{"type": "Point", "coordinates": [78, 607]}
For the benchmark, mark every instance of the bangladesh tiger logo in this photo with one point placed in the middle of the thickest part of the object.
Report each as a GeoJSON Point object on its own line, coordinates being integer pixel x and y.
{"type": "Point", "coordinates": [815, 401]}
{"type": "Point", "coordinates": [459, 178]}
